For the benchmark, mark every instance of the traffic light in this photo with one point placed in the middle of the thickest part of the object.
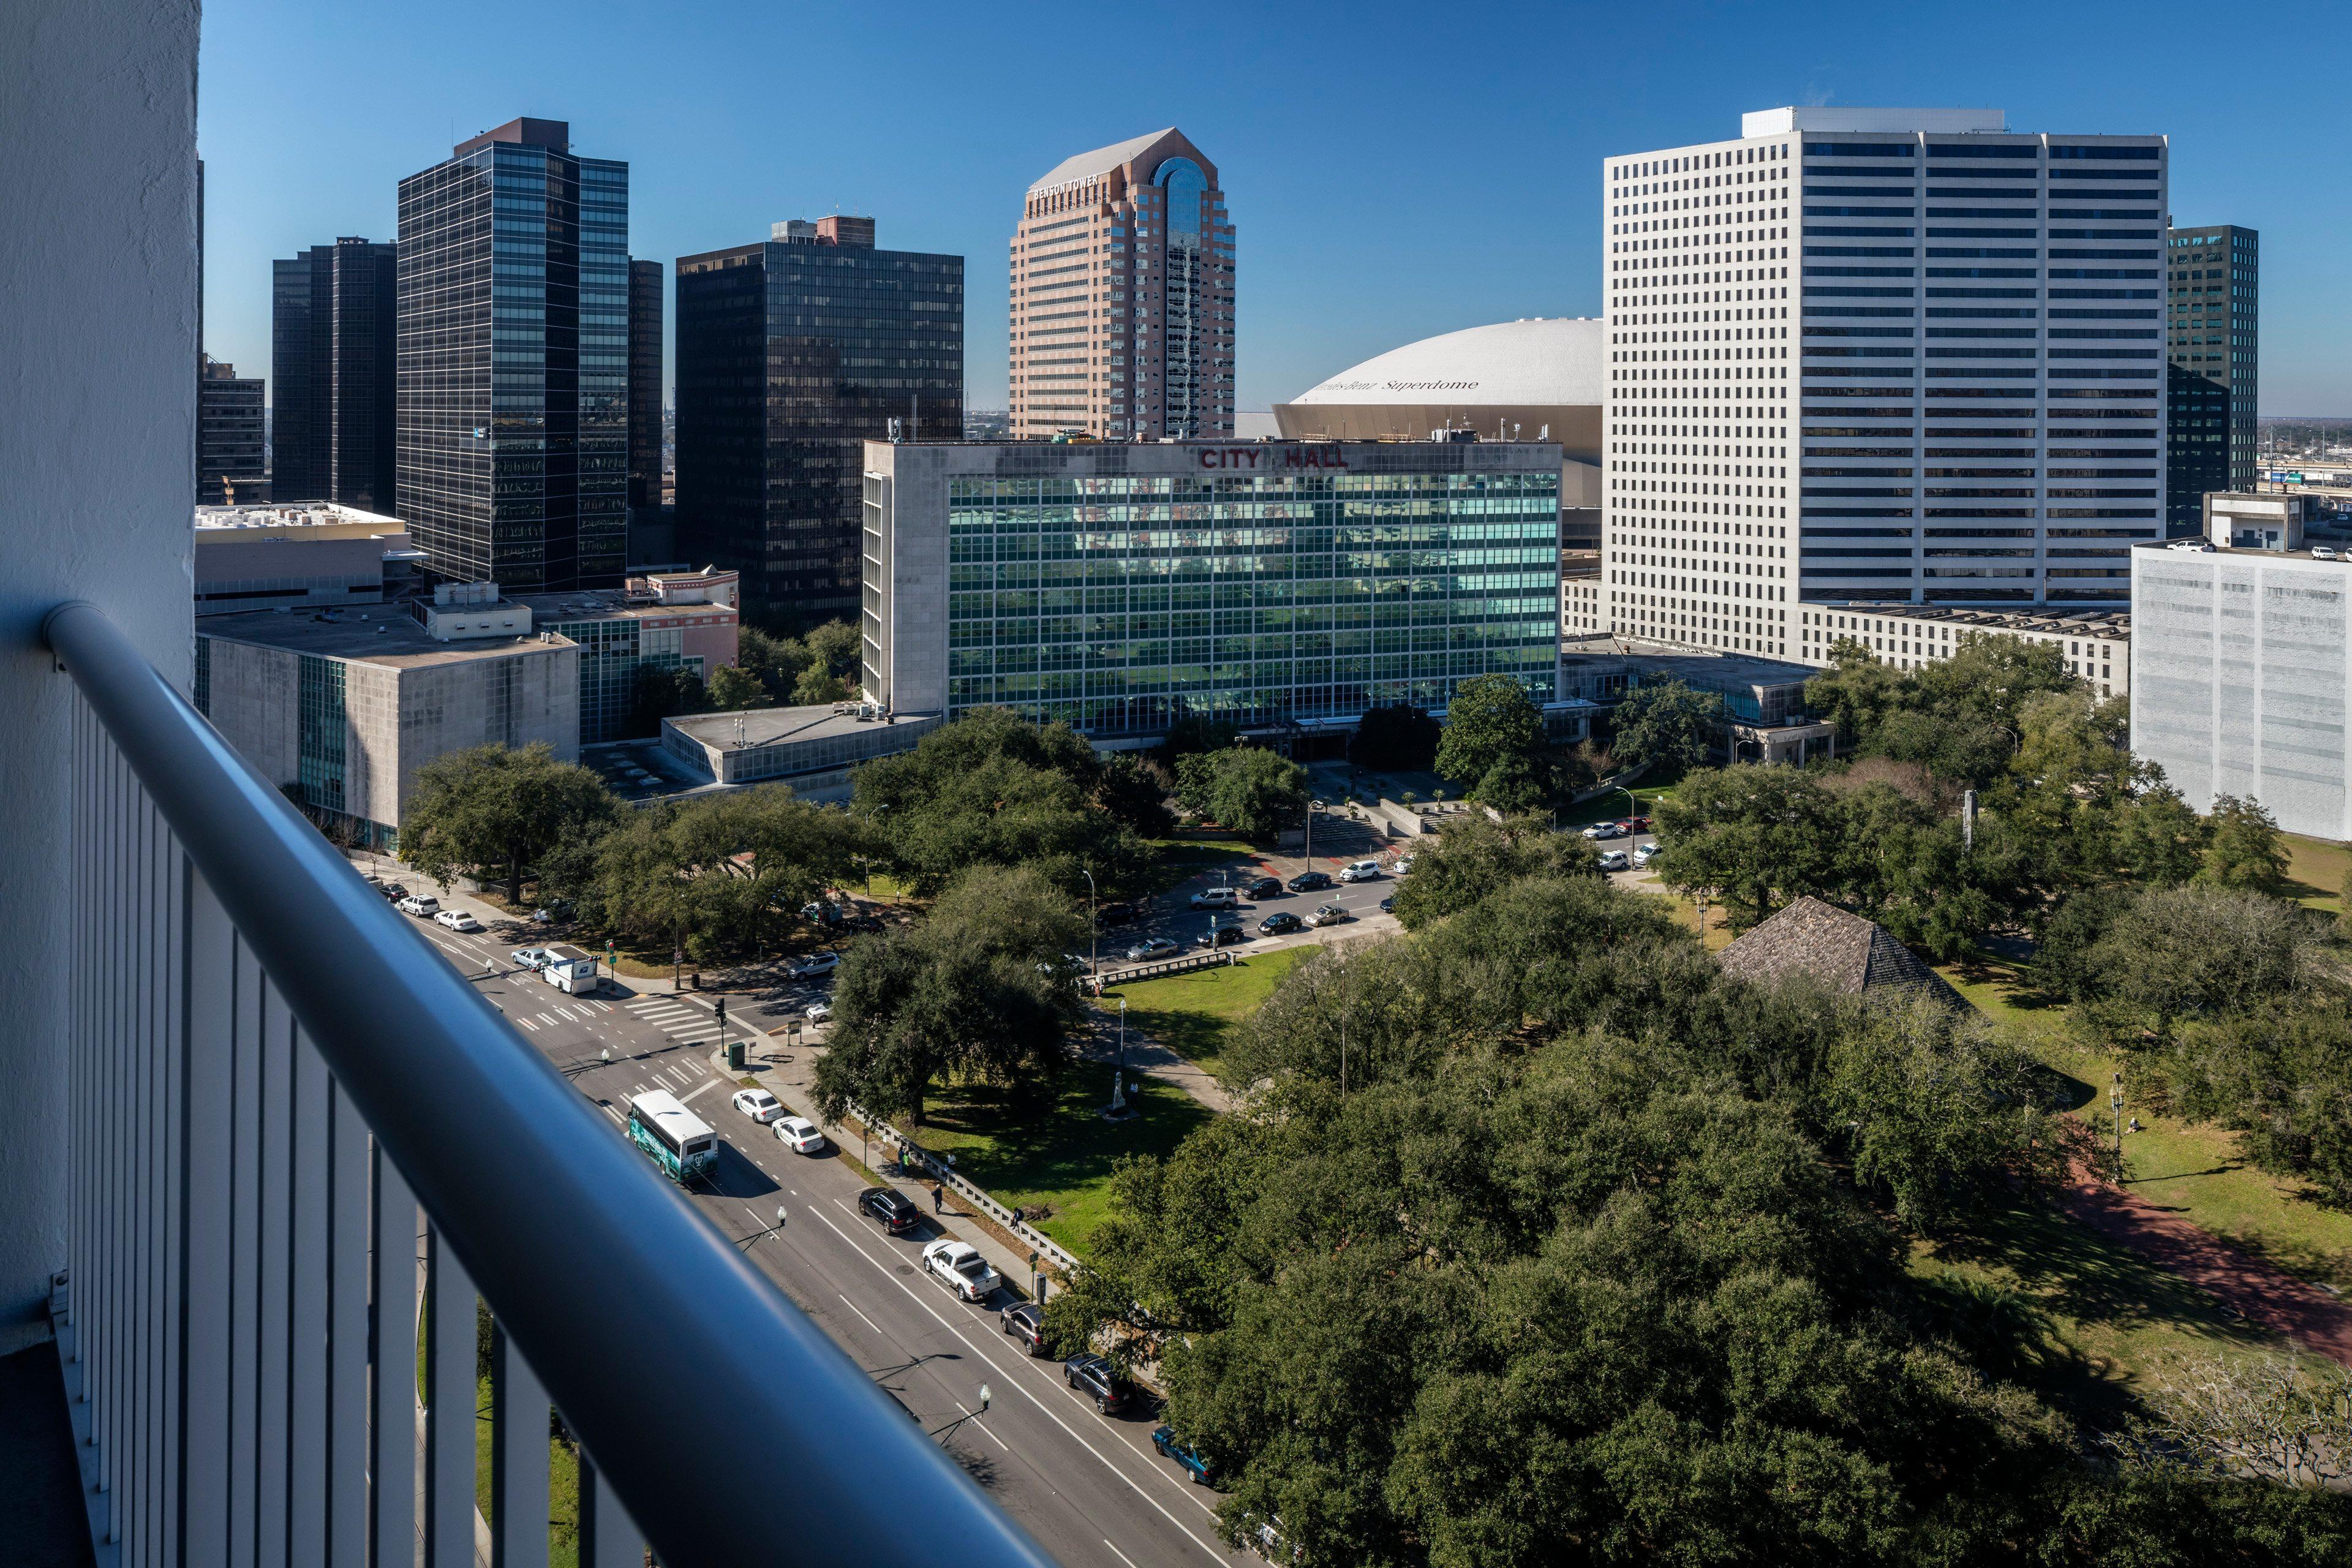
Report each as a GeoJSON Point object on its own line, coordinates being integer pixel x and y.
{"type": "Point", "coordinates": [722, 1013]}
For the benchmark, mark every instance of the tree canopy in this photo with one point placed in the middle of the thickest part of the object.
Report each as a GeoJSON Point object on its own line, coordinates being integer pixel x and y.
{"type": "Point", "coordinates": [982, 989]}
{"type": "Point", "coordinates": [1491, 722]}
{"type": "Point", "coordinates": [1474, 855]}
{"type": "Point", "coordinates": [1666, 725]}
{"type": "Point", "coordinates": [495, 810]}
{"type": "Point", "coordinates": [730, 688]}
{"type": "Point", "coordinates": [1254, 791]}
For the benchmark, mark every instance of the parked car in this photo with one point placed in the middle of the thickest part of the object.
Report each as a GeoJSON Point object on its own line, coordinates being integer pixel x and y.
{"type": "Point", "coordinates": [758, 1105]}
{"type": "Point", "coordinates": [959, 1266]}
{"type": "Point", "coordinates": [800, 1136]}
{"type": "Point", "coordinates": [1164, 1439]}
{"type": "Point", "coordinates": [1615, 860]}
{"type": "Point", "coordinates": [1403, 866]}
{"type": "Point", "coordinates": [815, 964]}
{"type": "Point", "coordinates": [1388, 905]}
{"type": "Point", "coordinates": [1309, 882]}
{"type": "Point", "coordinates": [530, 958]}
{"type": "Point", "coordinates": [1628, 826]}
{"type": "Point", "coordinates": [1605, 830]}
{"type": "Point", "coordinates": [1280, 923]}
{"type": "Point", "coordinates": [1328, 915]}
{"type": "Point", "coordinates": [419, 904]}
{"type": "Point", "coordinates": [396, 891]}
{"type": "Point", "coordinates": [1092, 1376]}
{"type": "Point", "coordinates": [456, 919]}
{"type": "Point", "coordinates": [1215, 899]}
{"type": "Point", "coordinates": [893, 1210]}
{"type": "Point", "coordinates": [1115, 914]}
{"type": "Point", "coordinates": [1025, 1321]}
{"type": "Point", "coordinates": [1360, 871]}
{"type": "Point", "coordinates": [1264, 888]}
{"type": "Point", "coordinates": [1646, 853]}
{"type": "Point", "coordinates": [1151, 947]}
{"type": "Point", "coordinates": [818, 1011]}
{"type": "Point", "coordinates": [1224, 936]}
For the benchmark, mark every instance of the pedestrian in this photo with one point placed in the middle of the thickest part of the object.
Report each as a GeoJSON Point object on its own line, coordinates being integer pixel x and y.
{"type": "Point", "coordinates": [938, 1197]}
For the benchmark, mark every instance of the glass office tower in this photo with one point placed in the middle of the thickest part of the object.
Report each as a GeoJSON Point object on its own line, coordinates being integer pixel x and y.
{"type": "Point", "coordinates": [513, 355]}
{"type": "Point", "coordinates": [644, 385]}
{"type": "Point", "coordinates": [333, 308]}
{"type": "Point", "coordinates": [789, 354]}
{"type": "Point", "coordinates": [2212, 369]}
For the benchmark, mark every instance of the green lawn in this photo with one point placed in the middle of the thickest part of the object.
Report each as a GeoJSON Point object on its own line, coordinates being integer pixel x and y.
{"type": "Point", "coordinates": [562, 1485]}
{"type": "Point", "coordinates": [2318, 867]}
{"type": "Point", "coordinates": [1191, 1013]}
{"type": "Point", "coordinates": [1055, 1150]}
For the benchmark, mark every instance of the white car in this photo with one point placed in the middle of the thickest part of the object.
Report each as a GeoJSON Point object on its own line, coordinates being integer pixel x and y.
{"type": "Point", "coordinates": [758, 1105]}
{"type": "Point", "coordinates": [1216, 899]}
{"type": "Point", "coordinates": [1405, 866]}
{"type": "Point", "coordinates": [801, 1137]}
{"type": "Point", "coordinates": [456, 919]}
{"type": "Point", "coordinates": [532, 958]}
{"type": "Point", "coordinates": [1604, 830]}
{"type": "Point", "coordinates": [419, 904]}
{"type": "Point", "coordinates": [818, 1012]}
{"type": "Point", "coordinates": [1361, 871]}
{"type": "Point", "coordinates": [1615, 860]}
{"type": "Point", "coordinates": [816, 964]}
{"type": "Point", "coordinates": [1646, 853]}
{"type": "Point", "coordinates": [1151, 947]}
{"type": "Point", "coordinates": [959, 1266]}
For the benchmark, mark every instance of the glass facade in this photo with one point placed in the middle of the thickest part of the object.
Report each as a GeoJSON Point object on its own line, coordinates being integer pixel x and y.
{"type": "Point", "coordinates": [1116, 602]}
{"type": "Point", "coordinates": [645, 385]}
{"type": "Point", "coordinates": [320, 721]}
{"type": "Point", "coordinates": [790, 354]}
{"type": "Point", "coordinates": [513, 362]}
{"type": "Point", "coordinates": [332, 347]}
{"type": "Point", "coordinates": [611, 653]}
{"type": "Point", "coordinates": [2213, 352]}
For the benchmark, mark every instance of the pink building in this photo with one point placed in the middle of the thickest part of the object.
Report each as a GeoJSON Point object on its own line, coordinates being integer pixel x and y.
{"type": "Point", "coordinates": [1123, 297]}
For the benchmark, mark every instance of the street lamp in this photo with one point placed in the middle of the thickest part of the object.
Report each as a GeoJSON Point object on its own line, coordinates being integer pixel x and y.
{"type": "Point", "coordinates": [2115, 1103]}
{"type": "Point", "coordinates": [1094, 926]}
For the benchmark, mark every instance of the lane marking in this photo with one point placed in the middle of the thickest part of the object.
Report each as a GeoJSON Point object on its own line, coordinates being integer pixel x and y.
{"type": "Point", "coordinates": [862, 1317]}
{"type": "Point", "coordinates": [1026, 1393]}
{"type": "Point", "coordinates": [692, 1092]}
{"type": "Point", "coordinates": [1122, 1556]}
{"type": "Point", "coordinates": [617, 1119]}
{"type": "Point", "coordinates": [992, 1437]}
{"type": "Point", "coordinates": [527, 1024]}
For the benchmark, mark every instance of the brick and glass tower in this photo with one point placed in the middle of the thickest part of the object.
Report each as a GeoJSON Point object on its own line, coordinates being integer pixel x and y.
{"type": "Point", "coordinates": [2213, 367]}
{"type": "Point", "coordinates": [1123, 297]}
{"type": "Point", "coordinates": [513, 379]}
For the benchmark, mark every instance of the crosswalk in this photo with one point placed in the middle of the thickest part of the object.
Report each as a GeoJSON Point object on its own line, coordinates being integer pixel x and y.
{"type": "Point", "coordinates": [583, 1011]}
{"type": "Point", "coordinates": [675, 1018]}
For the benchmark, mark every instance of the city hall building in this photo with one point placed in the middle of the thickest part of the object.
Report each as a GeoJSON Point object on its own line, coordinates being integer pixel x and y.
{"type": "Point", "coordinates": [1272, 584]}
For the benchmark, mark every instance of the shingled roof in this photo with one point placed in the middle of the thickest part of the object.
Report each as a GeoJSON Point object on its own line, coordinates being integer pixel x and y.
{"type": "Point", "coordinates": [1840, 951]}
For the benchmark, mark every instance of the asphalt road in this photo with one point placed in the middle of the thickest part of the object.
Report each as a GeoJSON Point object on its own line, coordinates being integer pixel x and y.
{"type": "Point", "coordinates": [1089, 1487]}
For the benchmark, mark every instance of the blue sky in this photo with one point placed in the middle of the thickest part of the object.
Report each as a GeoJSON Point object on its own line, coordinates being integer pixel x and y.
{"type": "Point", "coordinates": [1393, 171]}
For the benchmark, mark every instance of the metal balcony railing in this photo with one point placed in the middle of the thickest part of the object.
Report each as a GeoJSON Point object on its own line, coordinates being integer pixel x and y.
{"type": "Point", "coordinates": [300, 1144]}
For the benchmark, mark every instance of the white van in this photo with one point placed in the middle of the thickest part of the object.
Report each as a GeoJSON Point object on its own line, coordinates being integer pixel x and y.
{"type": "Point", "coordinates": [571, 970]}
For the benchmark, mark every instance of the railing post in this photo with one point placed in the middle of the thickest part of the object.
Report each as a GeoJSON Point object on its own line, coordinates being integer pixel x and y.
{"type": "Point", "coordinates": [519, 1460]}
{"type": "Point", "coordinates": [454, 1410]}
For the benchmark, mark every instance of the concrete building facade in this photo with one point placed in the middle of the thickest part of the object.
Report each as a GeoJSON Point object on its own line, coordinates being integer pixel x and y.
{"type": "Point", "coordinates": [1117, 586]}
{"type": "Point", "coordinates": [2242, 670]}
{"type": "Point", "coordinates": [297, 557]}
{"type": "Point", "coordinates": [342, 707]}
{"type": "Point", "coordinates": [1869, 358]}
{"type": "Point", "coordinates": [1122, 308]}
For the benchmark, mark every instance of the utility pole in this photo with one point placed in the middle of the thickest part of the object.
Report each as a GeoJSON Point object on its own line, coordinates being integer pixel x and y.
{"type": "Point", "coordinates": [2115, 1102]}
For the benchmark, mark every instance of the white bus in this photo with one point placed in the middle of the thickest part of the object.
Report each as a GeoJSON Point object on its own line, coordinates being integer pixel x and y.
{"type": "Point", "coordinates": [681, 1145]}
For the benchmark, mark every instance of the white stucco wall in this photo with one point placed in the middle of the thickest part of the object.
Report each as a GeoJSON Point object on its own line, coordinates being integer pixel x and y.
{"type": "Point", "coordinates": [98, 412]}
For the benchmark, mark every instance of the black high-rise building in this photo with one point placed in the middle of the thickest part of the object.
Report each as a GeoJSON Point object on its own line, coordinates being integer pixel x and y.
{"type": "Point", "coordinates": [230, 468]}
{"type": "Point", "coordinates": [644, 385]}
{"type": "Point", "coordinates": [513, 380]}
{"type": "Point", "coordinates": [334, 353]}
{"type": "Point", "coordinates": [2212, 367]}
{"type": "Point", "coordinates": [790, 354]}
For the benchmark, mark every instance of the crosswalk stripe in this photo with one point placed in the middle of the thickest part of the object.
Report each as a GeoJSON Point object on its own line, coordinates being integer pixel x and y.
{"type": "Point", "coordinates": [527, 1024]}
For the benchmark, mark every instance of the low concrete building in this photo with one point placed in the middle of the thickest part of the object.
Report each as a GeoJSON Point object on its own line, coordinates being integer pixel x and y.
{"type": "Point", "coordinates": [2242, 667]}
{"type": "Point", "coordinates": [812, 749]}
{"type": "Point", "coordinates": [341, 708]}
{"type": "Point", "coordinates": [2097, 643]}
{"type": "Point", "coordinates": [300, 555]}
{"type": "Point", "coordinates": [1764, 715]}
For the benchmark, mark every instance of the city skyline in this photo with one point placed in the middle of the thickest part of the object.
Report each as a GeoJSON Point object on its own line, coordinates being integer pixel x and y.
{"type": "Point", "coordinates": [1347, 257]}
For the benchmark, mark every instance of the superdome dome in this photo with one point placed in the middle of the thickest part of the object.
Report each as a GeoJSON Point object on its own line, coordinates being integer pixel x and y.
{"type": "Point", "coordinates": [1539, 362]}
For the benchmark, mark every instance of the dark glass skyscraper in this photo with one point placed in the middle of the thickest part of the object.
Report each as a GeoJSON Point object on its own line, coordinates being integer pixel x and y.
{"type": "Point", "coordinates": [334, 349]}
{"type": "Point", "coordinates": [645, 385]}
{"type": "Point", "coordinates": [2212, 363]}
{"type": "Point", "coordinates": [789, 354]}
{"type": "Point", "coordinates": [230, 465]}
{"type": "Point", "coordinates": [514, 327]}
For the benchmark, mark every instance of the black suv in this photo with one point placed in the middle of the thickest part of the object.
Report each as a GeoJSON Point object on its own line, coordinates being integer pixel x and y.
{"type": "Point", "coordinates": [1115, 914]}
{"type": "Point", "coordinates": [1264, 888]}
{"type": "Point", "coordinates": [891, 1208]}
{"type": "Point", "coordinates": [1311, 881]}
{"type": "Point", "coordinates": [1025, 1321]}
{"type": "Point", "coordinates": [1092, 1376]}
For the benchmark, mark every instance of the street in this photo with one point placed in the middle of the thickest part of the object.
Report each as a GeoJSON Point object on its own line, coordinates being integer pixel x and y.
{"type": "Point", "coordinates": [1089, 1487]}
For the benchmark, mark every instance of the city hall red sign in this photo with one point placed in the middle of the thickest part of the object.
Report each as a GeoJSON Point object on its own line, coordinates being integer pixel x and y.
{"type": "Point", "coordinates": [1263, 459]}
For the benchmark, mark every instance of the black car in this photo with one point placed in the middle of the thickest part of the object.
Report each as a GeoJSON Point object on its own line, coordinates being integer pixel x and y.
{"type": "Point", "coordinates": [1311, 881]}
{"type": "Point", "coordinates": [1115, 914]}
{"type": "Point", "coordinates": [1224, 936]}
{"type": "Point", "coordinates": [1025, 1321]}
{"type": "Point", "coordinates": [1092, 1376]}
{"type": "Point", "coordinates": [1264, 888]}
{"type": "Point", "coordinates": [1281, 921]}
{"type": "Point", "coordinates": [1388, 905]}
{"type": "Point", "coordinates": [890, 1208]}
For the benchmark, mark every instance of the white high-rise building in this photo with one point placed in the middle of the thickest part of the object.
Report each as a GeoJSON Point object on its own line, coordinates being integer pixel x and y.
{"type": "Point", "coordinates": [1870, 361]}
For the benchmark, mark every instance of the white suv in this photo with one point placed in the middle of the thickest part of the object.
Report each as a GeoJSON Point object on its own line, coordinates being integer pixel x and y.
{"type": "Point", "coordinates": [959, 1266]}
{"type": "Point", "coordinates": [419, 904]}
{"type": "Point", "coordinates": [1361, 871]}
